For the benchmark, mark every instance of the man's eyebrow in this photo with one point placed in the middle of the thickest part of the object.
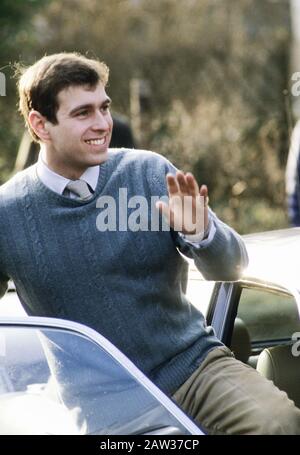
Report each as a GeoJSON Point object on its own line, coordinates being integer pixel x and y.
{"type": "Point", "coordinates": [88, 106]}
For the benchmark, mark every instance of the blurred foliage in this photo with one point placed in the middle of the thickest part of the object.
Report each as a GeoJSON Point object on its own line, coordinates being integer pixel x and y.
{"type": "Point", "coordinates": [16, 40]}
{"type": "Point", "coordinates": [218, 73]}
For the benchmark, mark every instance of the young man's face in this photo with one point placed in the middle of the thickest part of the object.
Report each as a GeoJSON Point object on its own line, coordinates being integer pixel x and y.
{"type": "Point", "coordinates": [82, 135]}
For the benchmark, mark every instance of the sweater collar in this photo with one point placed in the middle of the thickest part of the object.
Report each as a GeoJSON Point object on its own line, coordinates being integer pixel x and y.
{"type": "Point", "coordinates": [57, 183]}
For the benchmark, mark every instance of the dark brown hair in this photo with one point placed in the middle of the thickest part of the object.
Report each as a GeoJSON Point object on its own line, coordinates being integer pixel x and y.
{"type": "Point", "coordinates": [40, 83]}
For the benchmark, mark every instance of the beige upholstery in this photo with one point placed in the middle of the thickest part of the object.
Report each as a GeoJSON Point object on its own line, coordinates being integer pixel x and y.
{"type": "Point", "coordinates": [240, 342]}
{"type": "Point", "coordinates": [279, 365]}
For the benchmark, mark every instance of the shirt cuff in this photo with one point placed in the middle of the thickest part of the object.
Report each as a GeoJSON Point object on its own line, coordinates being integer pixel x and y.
{"type": "Point", "coordinates": [201, 240]}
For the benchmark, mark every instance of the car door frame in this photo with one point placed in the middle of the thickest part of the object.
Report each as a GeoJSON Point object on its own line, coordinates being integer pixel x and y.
{"type": "Point", "coordinates": [112, 350]}
{"type": "Point", "coordinates": [225, 300]}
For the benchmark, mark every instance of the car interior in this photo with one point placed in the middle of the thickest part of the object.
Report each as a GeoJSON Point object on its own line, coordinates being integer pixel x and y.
{"type": "Point", "coordinates": [268, 345]}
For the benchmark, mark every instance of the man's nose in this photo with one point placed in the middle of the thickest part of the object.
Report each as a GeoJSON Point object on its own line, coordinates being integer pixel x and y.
{"type": "Point", "coordinates": [101, 122]}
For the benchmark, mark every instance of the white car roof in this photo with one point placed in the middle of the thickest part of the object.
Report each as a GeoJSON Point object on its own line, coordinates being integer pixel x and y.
{"type": "Point", "coordinates": [274, 257]}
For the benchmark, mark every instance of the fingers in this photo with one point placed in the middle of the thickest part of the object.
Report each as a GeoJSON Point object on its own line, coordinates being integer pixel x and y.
{"type": "Point", "coordinates": [192, 184]}
{"type": "Point", "coordinates": [183, 214]}
{"type": "Point", "coordinates": [203, 190]}
{"type": "Point", "coordinates": [172, 184]}
{"type": "Point", "coordinates": [185, 184]}
{"type": "Point", "coordinates": [204, 193]}
{"type": "Point", "coordinates": [165, 211]}
{"type": "Point", "coordinates": [182, 183]}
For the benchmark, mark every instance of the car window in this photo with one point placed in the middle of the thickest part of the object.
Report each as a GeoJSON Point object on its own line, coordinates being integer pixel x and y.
{"type": "Point", "coordinates": [268, 315]}
{"type": "Point", "coordinates": [199, 291]}
{"type": "Point", "coordinates": [10, 304]}
{"type": "Point", "coordinates": [60, 382]}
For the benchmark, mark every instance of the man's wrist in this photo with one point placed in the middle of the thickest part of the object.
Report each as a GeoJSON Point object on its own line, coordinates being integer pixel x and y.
{"type": "Point", "coordinates": [195, 238]}
{"type": "Point", "coordinates": [201, 238]}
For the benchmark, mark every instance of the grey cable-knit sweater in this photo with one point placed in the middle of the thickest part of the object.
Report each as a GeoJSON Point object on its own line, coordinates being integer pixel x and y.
{"type": "Point", "coordinates": [126, 285]}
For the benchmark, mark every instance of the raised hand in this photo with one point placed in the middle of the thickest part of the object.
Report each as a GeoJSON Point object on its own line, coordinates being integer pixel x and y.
{"type": "Point", "coordinates": [187, 210]}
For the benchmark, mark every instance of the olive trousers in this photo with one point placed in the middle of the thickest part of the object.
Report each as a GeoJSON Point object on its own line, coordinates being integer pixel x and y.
{"type": "Point", "coordinates": [226, 397]}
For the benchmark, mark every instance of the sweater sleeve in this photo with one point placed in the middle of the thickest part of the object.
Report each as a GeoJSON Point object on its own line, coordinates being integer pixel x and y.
{"type": "Point", "coordinates": [222, 259]}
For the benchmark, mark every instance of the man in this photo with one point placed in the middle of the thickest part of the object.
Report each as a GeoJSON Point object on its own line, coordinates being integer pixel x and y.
{"type": "Point", "coordinates": [113, 272]}
{"type": "Point", "coordinates": [29, 149]}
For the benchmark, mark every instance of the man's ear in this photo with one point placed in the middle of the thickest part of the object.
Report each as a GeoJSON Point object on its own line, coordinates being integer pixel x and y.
{"type": "Point", "coordinates": [40, 125]}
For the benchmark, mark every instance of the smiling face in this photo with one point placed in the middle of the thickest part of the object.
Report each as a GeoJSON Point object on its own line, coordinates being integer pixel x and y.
{"type": "Point", "coordinates": [81, 137]}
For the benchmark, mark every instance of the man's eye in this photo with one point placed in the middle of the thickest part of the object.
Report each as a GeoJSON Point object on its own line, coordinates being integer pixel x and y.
{"type": "Point", "coordinates": [82, 113]}
{"type": "Point", "coordinates": [105, 108]}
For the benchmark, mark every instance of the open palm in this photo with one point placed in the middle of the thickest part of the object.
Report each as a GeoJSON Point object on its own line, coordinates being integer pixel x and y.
{"type": "Point", "coordinates": [187, 210]}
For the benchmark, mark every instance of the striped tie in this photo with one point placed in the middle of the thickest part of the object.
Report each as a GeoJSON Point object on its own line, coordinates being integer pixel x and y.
{"type": "Point", "coordinates": [81, 189]}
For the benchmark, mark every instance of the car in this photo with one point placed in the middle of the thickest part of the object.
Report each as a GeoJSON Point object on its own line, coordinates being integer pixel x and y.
{"type": "Point", "coordinates": [256, 316]}
{"type": "Point", "coordinates": [62, 378]}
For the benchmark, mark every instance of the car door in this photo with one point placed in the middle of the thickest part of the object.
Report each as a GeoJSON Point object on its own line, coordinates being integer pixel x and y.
{"type": "Point", "coordinates": [267, 312]}
{"type": "Point", "coordinates": [59, 377]}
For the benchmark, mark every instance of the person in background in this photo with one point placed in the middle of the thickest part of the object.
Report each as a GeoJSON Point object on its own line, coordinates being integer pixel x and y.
{"type": "Point", "coordinates": [292, 177]}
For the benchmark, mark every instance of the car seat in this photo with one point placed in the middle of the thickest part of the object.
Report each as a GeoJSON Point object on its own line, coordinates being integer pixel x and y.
{"type": "Point", "coordinates": [283, 368]}
{"type": "Point", "coordinates": [240, 341]}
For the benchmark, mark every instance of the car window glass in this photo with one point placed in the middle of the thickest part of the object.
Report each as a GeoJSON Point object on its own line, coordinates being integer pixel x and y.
{"type": "Point", "coordinates": [268, 315]}
{"type": "Point", "coordinates": [199, 291]}
{"type": "Point", "coordinates": [60, 382]}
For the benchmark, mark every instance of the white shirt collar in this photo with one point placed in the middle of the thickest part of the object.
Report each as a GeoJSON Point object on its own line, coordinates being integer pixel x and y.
{"type": "Point", "coordinates": [57, 183]}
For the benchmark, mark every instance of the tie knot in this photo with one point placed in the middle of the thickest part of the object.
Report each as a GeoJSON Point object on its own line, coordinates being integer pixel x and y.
{"type": "Point", "coordinates": [80, 188]}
